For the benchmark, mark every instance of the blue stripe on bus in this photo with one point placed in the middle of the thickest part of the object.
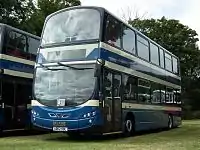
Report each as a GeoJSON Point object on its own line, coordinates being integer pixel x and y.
{"type": "Point", "coordinates": [16, 66]}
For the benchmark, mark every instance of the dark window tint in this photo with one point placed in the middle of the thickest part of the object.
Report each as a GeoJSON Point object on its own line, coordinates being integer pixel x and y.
{"type": "Point", "coordinates": [113, 32]}
{"type": "Point", "coordinates": [33, 45]}
{"type": "Point", "coordinates": [175, 65]}
{"type": "Point", "coordinates": [16, 41]}
{"type": "Point", "coordinates": [130, 88]}
{"type": "Point", "coordinates": [155, 93]}
{"type": "Point", "coordinates": [177, 97]}
{"type": "Point", "coordinates": [143, 47]}
{"type": "Point", "coordinates": [128, 40]}
{"type": "Point", "coordinates": [168, 62]}
{"type": "Point", "coordinates": [108, 84]}
{"type": "Point", "coordinates": [144, 91]}
{"type": "Point", "coordinates": [154, 54]}
{"type": "Point", "coordinates": [162, 64]}
{"type": "Point", "coordinates": [116, 85]}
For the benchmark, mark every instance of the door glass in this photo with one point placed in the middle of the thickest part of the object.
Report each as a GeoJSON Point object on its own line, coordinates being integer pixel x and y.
{"type": "Point", "coordinates": [116, 85]}
{"type": "Point", "coordinates": [117, 101]}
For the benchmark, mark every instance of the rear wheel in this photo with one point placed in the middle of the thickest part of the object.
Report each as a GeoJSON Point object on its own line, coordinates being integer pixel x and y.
{"type": "Point", "coordinates": [170, 122]}
{"type": "Point", "coordinates": [129, 126]}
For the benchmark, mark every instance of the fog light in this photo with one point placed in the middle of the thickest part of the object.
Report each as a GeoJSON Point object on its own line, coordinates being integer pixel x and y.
{"type": "Point", "coordinates": [90, 121]}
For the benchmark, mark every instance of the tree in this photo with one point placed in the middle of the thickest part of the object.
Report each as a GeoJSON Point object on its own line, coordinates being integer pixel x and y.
{"type": "Point", "coordinates": [45, 8]}
{"type": "Point", "coordinates": [14, 12]}
{"type": "Point", "coordinates": [129, 13]}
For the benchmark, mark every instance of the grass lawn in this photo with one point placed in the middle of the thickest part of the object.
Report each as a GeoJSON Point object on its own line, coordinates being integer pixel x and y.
{"type": "Point", "coordinates": [185, 137]}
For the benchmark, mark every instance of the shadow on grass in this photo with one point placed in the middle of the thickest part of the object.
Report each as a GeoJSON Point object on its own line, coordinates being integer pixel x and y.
{"type": "Point", "coordinates": [21, 133]}
{"type": "Point", "coordinates": [85, 138]}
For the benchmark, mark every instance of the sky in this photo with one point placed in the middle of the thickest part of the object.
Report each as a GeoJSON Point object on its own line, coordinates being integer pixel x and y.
{"type": "Point", "coordinates": [187, 11]}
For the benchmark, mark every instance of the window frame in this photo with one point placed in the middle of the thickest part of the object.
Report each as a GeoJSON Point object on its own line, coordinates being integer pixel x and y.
{"type": "Point", "coordinates": [158, 63]}
{"type": "Point", "coordinates": [137, 49]}
{"type": "Point", "coordinates": [170, 61]}
{"type": "Point", "coordinates": [8, 39]}
{"type": "Point", "coordinates": [106, 16]}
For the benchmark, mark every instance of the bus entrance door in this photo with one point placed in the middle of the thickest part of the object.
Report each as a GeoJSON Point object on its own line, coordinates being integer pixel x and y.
{"type": "Point", "coordinates": [8, 105]}
{"type": "Point", "coordinates": [112, 102]}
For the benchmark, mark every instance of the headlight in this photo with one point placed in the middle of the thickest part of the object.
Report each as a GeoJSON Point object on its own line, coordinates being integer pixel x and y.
{"type": "Point", "coordinates": [90, 114]}
{"type": "Point", "coordinates": [34, 113]}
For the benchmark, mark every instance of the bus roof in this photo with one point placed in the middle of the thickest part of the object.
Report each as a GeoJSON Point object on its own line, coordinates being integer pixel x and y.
{"type": "Point", "coordinates": [105, 10]}
{"type": "Point", "coordinates": [19, 30]}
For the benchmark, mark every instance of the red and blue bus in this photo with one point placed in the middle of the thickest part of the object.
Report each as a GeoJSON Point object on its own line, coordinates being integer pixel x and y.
{"type": "Point", "coordinates": [96, 74]}
{"type": "Point", "coordinates": [17, 58]}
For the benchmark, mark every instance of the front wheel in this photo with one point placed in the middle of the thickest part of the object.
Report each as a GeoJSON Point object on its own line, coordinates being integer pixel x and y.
{"type": "Point", "coordinates": [129, 127]}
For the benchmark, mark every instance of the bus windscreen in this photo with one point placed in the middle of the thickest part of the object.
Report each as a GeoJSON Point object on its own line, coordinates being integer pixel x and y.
{"type": "Point", "coordinates": [72, 26]}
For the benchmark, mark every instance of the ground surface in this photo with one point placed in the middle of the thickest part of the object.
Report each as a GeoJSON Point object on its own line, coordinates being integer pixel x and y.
{"type": "Point", "coordinates": [185, 137]}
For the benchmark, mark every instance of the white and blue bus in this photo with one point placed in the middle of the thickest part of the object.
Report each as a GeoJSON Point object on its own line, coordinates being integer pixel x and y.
{"type": "Point", "coordinates": [17, 58]}
{"type": "Point", "coordinates": [96, 74]}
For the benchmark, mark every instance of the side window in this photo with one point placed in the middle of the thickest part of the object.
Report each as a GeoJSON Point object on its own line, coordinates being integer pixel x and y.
{"type": "Point", "coordinates": [128, 40]}
{"type": "Point", "coordinates": [169, 95]}
{"type": "Point", "coordinates": [154, 54]}
{"type": "Point", "coordinates": [175, 65]}
{"type": "Point", "coordinates": [113, 32]}
{"type": "Point", "coordinates": [143, 47]}
{"type": "Point", "coordinates": [1, 34]}
{"type": "Point", "coordinates": [168, 62]}
{"type": "Point", "coordinates": [162, 94]}
{"type": "Point", "coordinates": [130, 88]}
{"type": "Point", "coordinates": [162, 64]}
{"type": "Point", "coordinates": [33, 45]}
{"type": "Point", "coordinates": [144, 91]}
{"type": "Point", "coordinates": [178, 97]}
{"type": "Point", "coordinates": [155, 93]}
{"type": "Point", "coordinates": [16, 41]}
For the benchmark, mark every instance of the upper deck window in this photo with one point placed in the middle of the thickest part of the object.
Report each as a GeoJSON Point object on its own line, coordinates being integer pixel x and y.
{"type": "Point", "coordinates": [175, 65]}
{"type": "Point", "coordinates": [113, 31]}
{"type": "Point", "coordinates": [0, 34]}
{"type": "Point", "coordinates": [33, 45]}
{"type": "Point", "coordinates": [16, 41]}
{"type": "Point", "coordinates": [129, 40]}
{"type": "Point", "coordinates": [143, 47]}
{"type": "Point", "coordinates": [154, 54]}
{"type": "Point", "coordinates": [72, 26]}
{"type": "Point", "coordinates": [168, 62]}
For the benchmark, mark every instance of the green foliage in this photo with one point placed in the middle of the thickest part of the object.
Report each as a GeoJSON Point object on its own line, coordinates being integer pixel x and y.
{"type": "Point", "coordinates": [15, 12]}
{"type": "Point", "coordinates": [25, 15]}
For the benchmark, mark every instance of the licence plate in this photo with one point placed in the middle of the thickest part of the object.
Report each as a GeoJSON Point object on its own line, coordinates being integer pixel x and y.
{"type": "Point", "coordinates": [60, 129]}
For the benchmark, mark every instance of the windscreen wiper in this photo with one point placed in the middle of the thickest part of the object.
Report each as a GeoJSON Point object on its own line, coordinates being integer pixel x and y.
{"type": "Point", "coordinates": [52, 69]}
{"type": "Point", "coordinates": [61, 64]}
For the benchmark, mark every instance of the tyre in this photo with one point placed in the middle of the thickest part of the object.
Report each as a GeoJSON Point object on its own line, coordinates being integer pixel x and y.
{"type": "Point", "coordinates": [129, 126]}
{"type": "Point", "coordinates": [170, 122]}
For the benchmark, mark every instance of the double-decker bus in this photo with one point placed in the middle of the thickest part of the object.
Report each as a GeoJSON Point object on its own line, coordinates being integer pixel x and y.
{"type": "Point", "coordinates": [17, 58]}
{"type": "Point", "coordinates": [96, 74]}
